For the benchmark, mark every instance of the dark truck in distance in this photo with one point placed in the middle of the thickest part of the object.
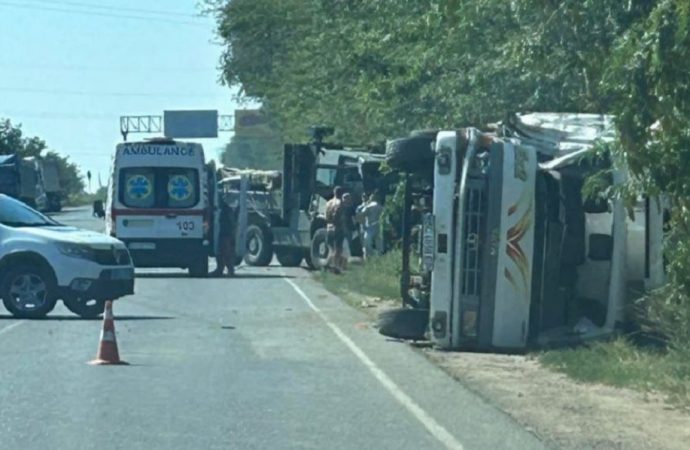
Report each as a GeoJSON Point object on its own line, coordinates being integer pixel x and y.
{"type": "Point", "coordinates": [286, 212]}
{"type": "Point", "coordinates": [22, 178]}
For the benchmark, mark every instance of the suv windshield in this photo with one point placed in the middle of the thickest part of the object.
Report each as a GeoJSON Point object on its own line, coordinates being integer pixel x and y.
{"type": "Point", "coordinates": [14, 213]}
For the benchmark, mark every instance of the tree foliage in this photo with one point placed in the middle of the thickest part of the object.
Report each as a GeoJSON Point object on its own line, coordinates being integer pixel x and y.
{"type": "Point", "coordinates": [380, 68]}
{"type": "Point", "coordinates": [253, 152]}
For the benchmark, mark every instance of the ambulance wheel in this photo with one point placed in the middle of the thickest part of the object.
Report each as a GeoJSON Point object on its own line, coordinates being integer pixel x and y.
{"type": "Point", "coordinates": [200, 268]}
{"type": "Point", "coordinates": [404, 323]}
{"type": "Point", "coordinates": [411, 154]}
{"type": "Point", "coordinates": [259, 246]}
{"type": "Point", "coordinates": [289, 257]}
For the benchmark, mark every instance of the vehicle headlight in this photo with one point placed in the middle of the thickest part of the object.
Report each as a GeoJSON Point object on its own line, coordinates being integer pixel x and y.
{"type": "Point", "coordinates": [77, 251]}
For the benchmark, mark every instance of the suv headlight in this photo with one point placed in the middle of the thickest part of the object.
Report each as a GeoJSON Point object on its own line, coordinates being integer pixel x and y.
{"type": "Point", "coordinates": [77, 251]}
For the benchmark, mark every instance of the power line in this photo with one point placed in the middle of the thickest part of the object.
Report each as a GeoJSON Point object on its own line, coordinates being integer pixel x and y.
{"type": "Point", "coordinates": [118, 8]}
{"type": "Point", "coordinates": [102, 14]}
{"type": "Point", "coordinates": [104, 94]}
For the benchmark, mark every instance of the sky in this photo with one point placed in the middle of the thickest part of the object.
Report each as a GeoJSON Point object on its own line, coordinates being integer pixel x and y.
{"type": "Point", "coordinates": [70, 69]}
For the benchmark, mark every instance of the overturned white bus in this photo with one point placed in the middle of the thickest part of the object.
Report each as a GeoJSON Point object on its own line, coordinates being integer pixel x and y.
{"type": "Point", "coordinates": [512, 252]}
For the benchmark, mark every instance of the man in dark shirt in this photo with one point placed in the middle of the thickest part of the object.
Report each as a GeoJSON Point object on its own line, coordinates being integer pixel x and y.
{"type": "Point", "coordinates": [226, 235]}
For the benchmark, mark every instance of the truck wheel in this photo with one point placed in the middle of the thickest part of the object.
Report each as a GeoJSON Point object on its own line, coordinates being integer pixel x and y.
{"type": "Point", "coordinates": [200, 268]}
{"type": "Point", "coordinates": [84, 308]}
{"type": "Point", "coordinates": [430, 133]}
{"type": "Point", "coordinates": [404, 323]}
{"type": "Point", "coordinates": [319, 249]}
{"type": "Point", "coordinates": [411, 154]}
{"type": "Point", "coordinates": [259, 246]}
{"type": "Point", "coordinates": [307, 259]}
{"type": "Point", "coordinates": [289, 257]}
{"type": "Point", "coordinates": [28, 292]}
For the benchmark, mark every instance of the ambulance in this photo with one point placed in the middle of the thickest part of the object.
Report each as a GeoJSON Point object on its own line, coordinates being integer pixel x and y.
{"type": "Point", "coordinates": [160, 204]}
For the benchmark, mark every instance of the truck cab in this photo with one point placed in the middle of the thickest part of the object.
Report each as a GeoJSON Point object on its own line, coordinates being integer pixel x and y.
{"type": "Point", "coordinates": [286, 215]}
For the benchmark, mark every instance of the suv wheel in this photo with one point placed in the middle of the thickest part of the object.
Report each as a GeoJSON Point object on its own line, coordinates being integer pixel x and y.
{"type": "Point", "coordinates": [28, 292]}
{"type": "Point", "coordinates": [84, 308]}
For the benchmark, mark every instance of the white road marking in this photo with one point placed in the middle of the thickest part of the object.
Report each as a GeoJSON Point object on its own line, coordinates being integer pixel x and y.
{"type": "Point", "coordinates": [436, 429]}
{"type": "Point", "coordinates": [10, 327]}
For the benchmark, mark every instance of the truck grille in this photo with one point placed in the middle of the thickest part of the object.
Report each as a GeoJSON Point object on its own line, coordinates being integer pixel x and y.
{"type": "Point", "coordinates": [474, 226]}
{"type": "Point", "coordinates": [112, 257]}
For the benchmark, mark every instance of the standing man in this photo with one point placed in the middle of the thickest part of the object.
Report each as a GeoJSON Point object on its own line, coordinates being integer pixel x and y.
{"type": "Point", "coordinates": [334, 230]}
{"type": "Point", "coordinates": [226, 235]}
{"type": "Point", "coordinates": [347, 220]}
{"type": "Point", "coordinates": [371, 211]}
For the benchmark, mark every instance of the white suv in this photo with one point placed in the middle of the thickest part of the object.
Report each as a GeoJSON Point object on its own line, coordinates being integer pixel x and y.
{"type": "Point", "coordinates": [42, 261]}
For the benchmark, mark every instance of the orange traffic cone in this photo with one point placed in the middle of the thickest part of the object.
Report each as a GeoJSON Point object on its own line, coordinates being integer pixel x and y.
{"type": "Point", "coordinates": [107, 348]}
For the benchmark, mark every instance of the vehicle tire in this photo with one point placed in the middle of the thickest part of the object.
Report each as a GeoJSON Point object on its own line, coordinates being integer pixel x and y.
{"type": "Point", "coordinates": [289, 257]}
{"type": "Point", "coordinates": [259, 246]}
{"type": "Point", "coordinates": [238, 260]}
{"type": "Point", "coordinates": [404, 323]}
{"type": "Point", "coordinates": [28, 291]}
{"type": "Point", "coordinates": [200, 268]}
{"type": "Point", "coordinates": [319, 249]}
{"type": "Point", "coordinates": [429, 133]}
{"type": "Point", "coordinates": [411, 154]}
{"type": "Point", "coordinates": [308, 261]}
{"type": "Point", "coordinates": [86, 309]}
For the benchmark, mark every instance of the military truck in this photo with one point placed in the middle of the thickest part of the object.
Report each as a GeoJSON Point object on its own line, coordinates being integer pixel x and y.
{"type": "Point", "coordinates": [287, 211]}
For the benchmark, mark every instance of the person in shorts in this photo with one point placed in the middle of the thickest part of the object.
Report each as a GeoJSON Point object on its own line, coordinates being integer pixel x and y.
{"type": "Point", "coordinates": [334, 230]}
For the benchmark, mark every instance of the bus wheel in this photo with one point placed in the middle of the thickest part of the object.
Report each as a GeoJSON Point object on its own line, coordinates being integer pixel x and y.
{"type": "Point", "coordinates": [259, 246]}
{"type": "Point", "coordinates": [289, 257]}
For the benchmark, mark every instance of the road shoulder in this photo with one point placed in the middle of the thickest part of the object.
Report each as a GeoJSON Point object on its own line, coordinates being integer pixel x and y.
{"type": "Point", "coordinates": [562, 412]}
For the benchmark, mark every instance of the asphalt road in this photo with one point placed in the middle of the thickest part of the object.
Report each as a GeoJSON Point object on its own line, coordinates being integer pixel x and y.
{"type": "Point", "coordinates": [267, 360]}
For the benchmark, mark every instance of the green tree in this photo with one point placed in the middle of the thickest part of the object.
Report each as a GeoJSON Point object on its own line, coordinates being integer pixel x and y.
{"type": "Point", "coordinates": [254, 153]}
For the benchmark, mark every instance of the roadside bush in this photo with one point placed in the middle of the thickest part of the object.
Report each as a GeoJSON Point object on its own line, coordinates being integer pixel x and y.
{"type": "Point", "coordinates": [623, 364]}
{"type": "Point", "coordinates": [667, 312]}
